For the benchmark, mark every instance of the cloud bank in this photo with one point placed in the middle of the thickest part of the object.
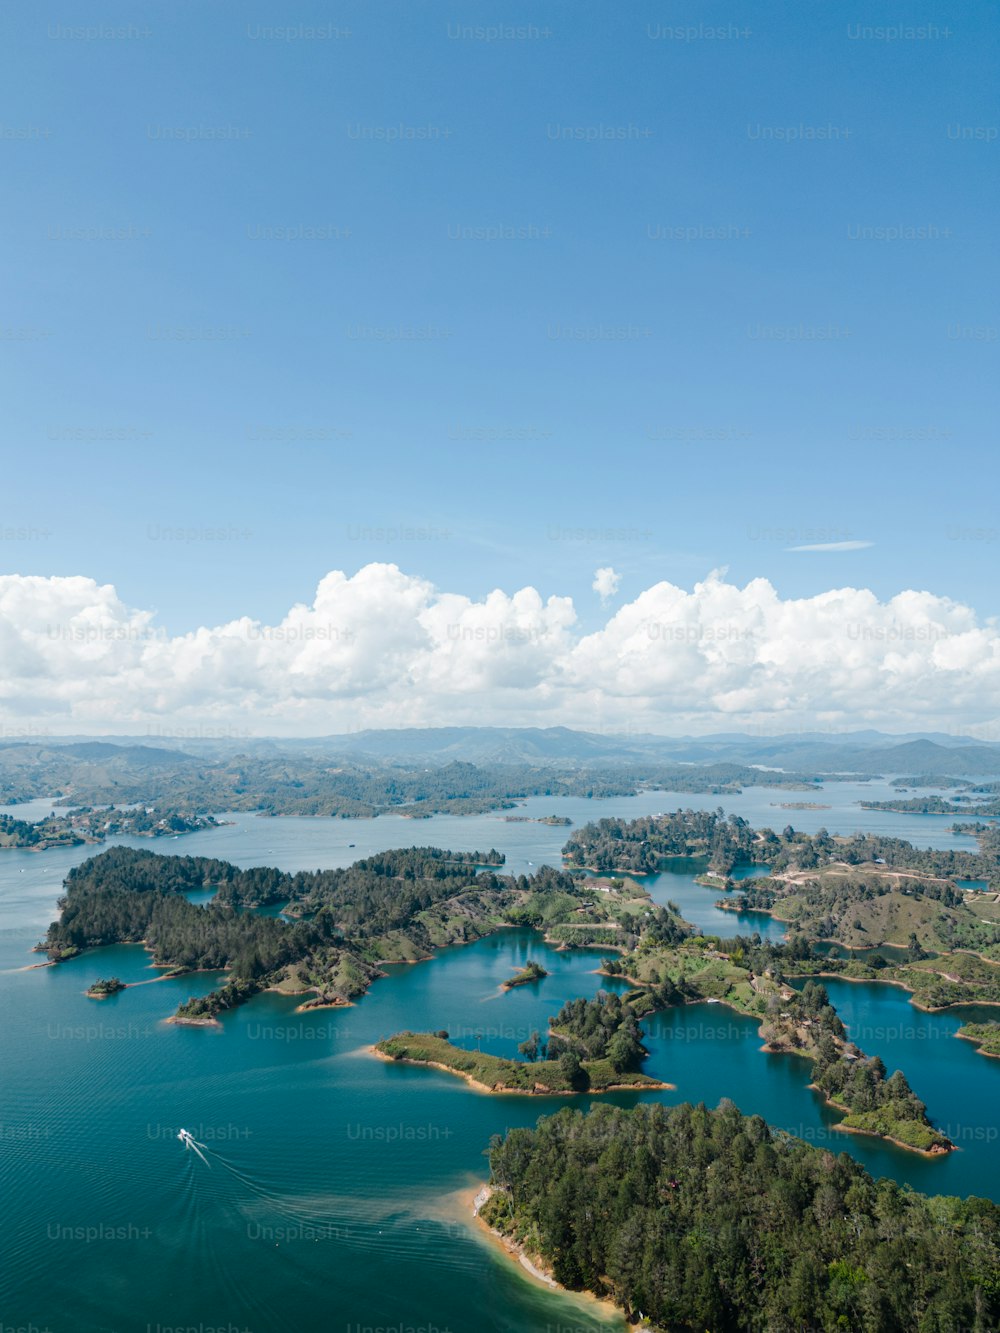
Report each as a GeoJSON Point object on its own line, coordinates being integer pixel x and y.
{"type": "Point", "coordinates": [384, 648]}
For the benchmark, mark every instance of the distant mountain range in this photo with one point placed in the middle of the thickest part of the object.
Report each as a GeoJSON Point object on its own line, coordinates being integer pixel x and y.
{"type": "Point", "coordinates": [867, 752]}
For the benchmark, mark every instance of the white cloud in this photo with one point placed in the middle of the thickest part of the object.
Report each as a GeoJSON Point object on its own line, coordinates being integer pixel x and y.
{"type": "Point", "coordinates": [832, 546]}
{"type": "Point", "coordinates": [606, 582]}
{"type": "Point", "coordinates": [385, 648]}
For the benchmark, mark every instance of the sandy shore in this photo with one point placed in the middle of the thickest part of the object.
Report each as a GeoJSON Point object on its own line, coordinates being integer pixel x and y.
{"type": "Point", "coordinates": [890, 981]}
{"type": "Point", "coordinates": [474, 1199]}
{"type": "Point", "coordinates": [887, 1138]}
{"type": "Point", "coordinates": [493, 1090]}
{"type": "Point", "coordinates": [978, 1043]}
{"type": "Point", "coordinates": [959, 1004]}
{"type": "Point", "coordinates": [873, 1134]}
{"type": "Point", "coordinates": [308, 1006]}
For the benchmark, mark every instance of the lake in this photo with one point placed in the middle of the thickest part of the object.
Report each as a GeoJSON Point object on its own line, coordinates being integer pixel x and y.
{"type": "Point", "coordinates": [333, 1191]}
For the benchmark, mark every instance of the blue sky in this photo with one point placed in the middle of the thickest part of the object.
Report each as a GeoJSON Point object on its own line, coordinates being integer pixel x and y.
{"type": "Point", "coordinates": [594, 390]}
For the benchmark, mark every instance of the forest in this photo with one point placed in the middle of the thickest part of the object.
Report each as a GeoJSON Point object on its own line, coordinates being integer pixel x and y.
{"type": "Point", "coordinates": [697, 1219]}
{"type": "Point", "coordinates": [288, 783]}
{"type": "Point", "coordinates": [339, 924]}
{"type": "Point", "coordinates": [640, 846]}
{"type": "Point", "coordinates": [604, 1028]}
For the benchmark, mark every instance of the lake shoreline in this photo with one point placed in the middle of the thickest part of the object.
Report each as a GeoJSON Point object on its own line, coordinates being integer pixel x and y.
{"type": "Point", "coordinates": [533, 1265]}
{"type": "Point", "coordinates": [653, 1086]}
{"type": "Point", "coordinates": [977, 1042]}
{"type": "Point", "coordinates": [934, 1153]}
{"type": "Point", "coordinates": [892, 981]}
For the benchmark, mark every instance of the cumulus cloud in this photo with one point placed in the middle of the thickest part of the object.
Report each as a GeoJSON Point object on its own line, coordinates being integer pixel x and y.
{"type": "Point", "coordinates": [606, 582]}
{"type": "Point", "coordinates": [385, 648]}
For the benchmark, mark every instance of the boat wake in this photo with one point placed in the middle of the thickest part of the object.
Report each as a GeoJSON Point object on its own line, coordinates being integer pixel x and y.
{"type": "Point", "coordinates": [189, 1141]}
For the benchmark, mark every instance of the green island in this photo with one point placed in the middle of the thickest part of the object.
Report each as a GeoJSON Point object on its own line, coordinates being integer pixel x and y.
{"type": "Point", "coordinates": [950, 937]}
{"type": "Point", "coordinates": [530, 972]}
{"type": "Point", "coordinates": [397, 906]}
{"type": "Point", "coordinates": [870, 906]}
{"type": "Point", "coordinates": [491, 1073]}
{"type": "Point", "coordinates": [592, 1046]}
{"type": "Point", "coordinates": [969, 806]}
{"type": "Point", "coordinates": [87, 825]}
{"type": "Point", "coordinates": [933, 780]}
{"type": "Point", "coordinates": [692, 1219]}
{"type": "Point", "coordinates": [342, 925]}
{"type": "Point", "coordinates": [862, 892]}
{"type": "Point", "coordinates": [105, 986]}
{"type": "Point", "coordinates": [708, 879]}
{"type": "Point", "coordinates": [985, 1035]}
{"type": "Point", "coordinates": [643, 846]}
{"type": "Point", "coordinates": [670, 965]}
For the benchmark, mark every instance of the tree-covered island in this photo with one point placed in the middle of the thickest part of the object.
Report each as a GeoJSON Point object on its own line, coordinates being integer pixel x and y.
{"type": "Point", "coordinates": [592, 1046]}
{"type": "Point", "coordinates": [340, 925]}
{"type": "Point", "coordinates": [78, 827]}
{"type": "Point", "coordinates": [403, 905]}
{"type": "Point", "coordinates": [690, 1219]}
{"type": "Point", "coordinates": [105, 986]}
{"type": "Point", "coordinates": [531, 972]}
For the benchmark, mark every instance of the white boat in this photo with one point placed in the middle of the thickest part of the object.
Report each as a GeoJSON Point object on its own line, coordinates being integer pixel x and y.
{"type": "Point", "coordinates": [189, 1141]}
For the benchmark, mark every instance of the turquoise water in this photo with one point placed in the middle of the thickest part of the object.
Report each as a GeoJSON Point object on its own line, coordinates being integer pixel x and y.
{"type": "Point", "coordinates": [741, 873]}
{"type": "Point", "coordinates": [697, 903]}
{"type": "Point", "coordinates": [332, 1194]}
{"type": "Point", "coordinates": [960, 1087]}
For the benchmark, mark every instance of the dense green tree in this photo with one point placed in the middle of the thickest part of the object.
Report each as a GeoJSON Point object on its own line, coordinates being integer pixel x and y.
{"type": "Point", "coordinates": [572, 1070]}
{"type": "Point", "coordinates": [707, 1220]}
